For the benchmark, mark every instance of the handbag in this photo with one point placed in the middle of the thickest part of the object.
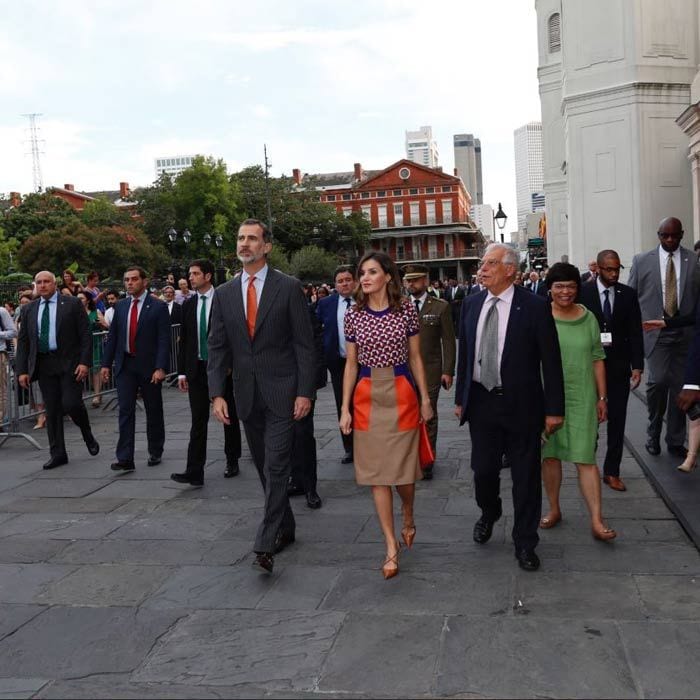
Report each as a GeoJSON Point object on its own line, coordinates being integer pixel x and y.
{"type": "Point", "coordinates": [425, 449]}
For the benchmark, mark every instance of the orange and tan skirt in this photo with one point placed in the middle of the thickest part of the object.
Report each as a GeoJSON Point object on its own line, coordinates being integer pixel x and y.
{"type": "Point", "coordinates": [386, 417]}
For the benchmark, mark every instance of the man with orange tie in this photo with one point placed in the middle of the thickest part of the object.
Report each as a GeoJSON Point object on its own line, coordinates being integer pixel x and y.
{"type": "Point", "coordinates": [260, 332]}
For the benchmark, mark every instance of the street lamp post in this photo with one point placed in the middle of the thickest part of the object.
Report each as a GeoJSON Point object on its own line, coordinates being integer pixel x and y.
{"type": "Point", "coordinates": [174, 267]}
{"type": "Point", "coordinates": [220, 271]}
{"type": "Point", "coordinates": [500, 219]}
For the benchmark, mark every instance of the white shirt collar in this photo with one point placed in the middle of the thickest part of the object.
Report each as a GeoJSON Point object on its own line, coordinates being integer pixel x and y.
{"type": "Point", "coordinates": [506, 295]}
{"type": "Point", "coordinates": [421, 299]}
{"type": "Point", "coordinates": [208, 294]}
{"type": "Point", "coordinates": [260, 275]}
{"type": "Point", "coordinates": [663, 254]}
{"type": "Point", "coordinates": [602, 288]}
{"type": "Point", "coordinates": [141, 297]}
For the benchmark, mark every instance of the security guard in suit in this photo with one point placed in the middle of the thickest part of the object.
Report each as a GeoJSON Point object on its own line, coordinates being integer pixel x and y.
{"type": "Point", "coordinates": [437, 341]}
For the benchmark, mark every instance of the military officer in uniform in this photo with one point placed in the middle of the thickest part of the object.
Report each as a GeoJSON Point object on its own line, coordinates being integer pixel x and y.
{"type": "Point", "coordinates": [437, 342]}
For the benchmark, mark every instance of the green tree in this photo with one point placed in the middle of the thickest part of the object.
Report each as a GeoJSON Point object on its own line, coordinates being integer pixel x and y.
{"type": "Point", "coordinates": [37, 213]}
{"type": "Point", "coordinates": [102, 212]}
{"type": "Point", "coordinates": [313, 264]}
{"type": "Point", "coordinates": [107, 249]}
{"type": "Point", "coordinates": [8, 253]}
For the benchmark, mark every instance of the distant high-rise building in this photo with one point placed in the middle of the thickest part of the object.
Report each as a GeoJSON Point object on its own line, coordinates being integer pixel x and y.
{"type": "Point", "coordinates": [421, 148]}
{"type": "Point", "coordinates": [482, 216]}
{"type": "Point", "coordinates": [529, 171]}
{"type": "Point", "coordinates": [172, 165]}
{"type": "Point", "coordinates": [468, 165]}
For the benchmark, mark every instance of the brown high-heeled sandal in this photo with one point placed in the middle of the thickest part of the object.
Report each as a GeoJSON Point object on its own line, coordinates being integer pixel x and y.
{"type": "Point", "coordinates": [408, 534]}
{"type": "Point", "coordinates": [391, 571]}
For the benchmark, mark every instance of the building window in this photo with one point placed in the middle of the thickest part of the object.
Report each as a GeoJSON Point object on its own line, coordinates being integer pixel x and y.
{"type": "Point", "coordinates": [429, 190]}
{"type": "Point", "coordinates": [446, 211]}
{"type": "Point", "coordinates": [432, 247]}
{"type": "Point", "coordinates": [396, 193]}
{"type": "Point", "coordinates": [413, 190]}
{"type": "Point", "coordinates": [365, 195]}
{"type": "Point", "coordinates": [347, 211]}
{"type": "Point", "coordinates": [398, 214]}
{"type": "Point", "coordinates": [409, 249]}
{"type": "Point", "coordinates": [448, 246]}
{"type": "Point", "coordinates": [367, 212]}
{"type": "Point", "coordinates": [346, 197]}
{"type": "Point", "coordinates": [447, 188]}
{"type": "Point", "coordinates": [381, 215]}
{"type": "Point", "coordinates": [381, 193]}
{"type": "Point", "coordinates": [430, 212]}
{"type": "Point", "coordinates": [400, 251]}
{"type": "Point", "coordinates": [331, 198]}
{"type": "Point", "coordinates": [415, 213]}
{"type": "Point", "coordinates": [554, 33]}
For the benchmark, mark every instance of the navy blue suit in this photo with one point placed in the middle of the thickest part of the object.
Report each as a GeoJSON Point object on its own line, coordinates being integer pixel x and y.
{"type": "Point", "coordinates": [510, 420]}
{"type": "Point", "coordinates": [692, 363]}
{"type": "Point", "coordinates": [133, 372]}
{"type": "Point", "coordinates": [327, 313]}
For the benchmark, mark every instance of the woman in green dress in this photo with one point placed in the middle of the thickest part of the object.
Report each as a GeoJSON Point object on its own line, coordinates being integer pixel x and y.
{"type": "Point", "coordinates": [96, 324]}
{"type": "Point", "coordinates": [582, 357]}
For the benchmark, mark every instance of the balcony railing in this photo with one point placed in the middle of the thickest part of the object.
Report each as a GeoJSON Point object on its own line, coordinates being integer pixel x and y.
{"type": "Point", "coordinates": [408, 256]}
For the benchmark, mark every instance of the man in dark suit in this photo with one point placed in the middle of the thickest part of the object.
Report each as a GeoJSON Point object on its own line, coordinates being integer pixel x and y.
{"type": "Point", "coordinates": [477, 287]}
{"type": "Point", "coordinates": [174, 309]}
{"type": "Point", "coordinates": [454, 296]}
{"type": "Point", "coordinates": [537, 286]}
{"type": "Point", "coordinates": [55, 347]}
{"type": "Point", "coordinates": [592, 273]}
{"type": "Point", "coordinates": [261, 331]}
{"type": "Point", "coordinates": [667, 282]}
{"type": "Point", "coordinates": [331, 312]}
{"type": "Point", "coordinates": [192, 361]}
{"type": "Point", "coordinates": [138, 344]}
{"type": "Point", "coordinates": [616, 307]}
{"type": "Point", "coordinates": [437, 343]}
{"type": "Point", "coordinates": [509, 348]}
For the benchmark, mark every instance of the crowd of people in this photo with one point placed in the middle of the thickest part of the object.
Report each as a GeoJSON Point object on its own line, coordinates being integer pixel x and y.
{"type": "Point", "coordinates": [538, 362]}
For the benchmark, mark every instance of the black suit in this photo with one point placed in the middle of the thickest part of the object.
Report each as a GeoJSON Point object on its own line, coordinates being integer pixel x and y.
{"type": "Point", "coordinates": [133, 373]}
{"type": "Point", "coordinates": [511, 421]}
{"type": "Point", "coordinates": [195, 371]}
{"type": "Point", "coordinates": [176, 312]}
{"type": "Point", "coordinates": [625, 354]}
{"type": "Point", "coordinates": [539, 287]}
{"type": "Point", "coordinates": [55, 370]}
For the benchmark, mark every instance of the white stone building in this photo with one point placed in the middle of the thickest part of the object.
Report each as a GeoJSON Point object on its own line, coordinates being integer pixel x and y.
{"type": "Point", "coordinates": [467, 151]}
{"type": "Point", "coordinates": [527, 141]}
{"type": "Point", "coordinates": [421, 148]}
{"type": "Point", "coordinates": [614, 77]}
{"type": "Point", "coordinates": [482, 215]}
{"type": "Point", "coordinates": [173, 165]}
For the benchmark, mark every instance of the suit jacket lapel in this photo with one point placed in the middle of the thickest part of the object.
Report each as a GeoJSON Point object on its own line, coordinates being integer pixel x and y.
{"type": "Point", "coordinates": [237, 303]}
{"type": "Point", "coordinates": [513, 320]}
{"type": "Point", "coordinates": [683, 273]}
{"type": "Point", "coordinates": [269, 292]}
{"type": "Point", "coordinates": [59, 313]}
{"type": "Point", "coordinates": [657, 276]}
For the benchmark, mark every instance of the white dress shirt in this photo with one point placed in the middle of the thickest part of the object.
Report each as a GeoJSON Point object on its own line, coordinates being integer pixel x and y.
{"type": "Point", "coordinates": [504, 304]}
{"type": "Point", "coordinates": [209, 294]}
{"type": "Point", "coordinates": [109, 315]}
{"type": "Point", "coordinates": [663, 261]}
{"type": "Point", "coordinates": [139, 308]}
{"type": "Point", "coordinates": [260, 277]}
{"type": "Point", "coordinates": [421, 300]}
{"type": "Point", "coordinates": [340, 320]}
{"type": "Point", "coordinates": [601, 293]}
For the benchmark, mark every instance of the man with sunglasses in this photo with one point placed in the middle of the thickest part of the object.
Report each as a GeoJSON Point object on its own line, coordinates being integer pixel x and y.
{"type": "Point", "coordinates": [667, 281]}
{"type": "Point", "coordinates": [616, 308]}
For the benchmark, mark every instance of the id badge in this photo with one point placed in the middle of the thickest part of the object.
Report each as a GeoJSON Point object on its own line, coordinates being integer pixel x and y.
{"type": "Point", "coordinates": [606, 339]}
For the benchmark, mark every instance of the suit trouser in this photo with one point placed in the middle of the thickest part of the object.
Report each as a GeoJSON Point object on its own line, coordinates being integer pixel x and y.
{"type": "Point", "coordinates": [666, 371]}
{"type": "Point", "coordinates": [337, 373]}
{"type": "Point", "coordinates": [304, 453]}
{"type": "Point", "coordinates": [618, 394]}
{"type": "Point", "coordinates": [129, 381]}
{"type": "Point", "coordinates": [496, 430]}
{"type": "Point", "coordinates": [270, 439]}
{"type": "Point", "coordinates": [62, 395]}
{"type": "Point", "coordinates": [3, 386]}
{"type": "Point", "coordinates": [198, 393]}
{"type": "Point", "coordinates": [432, 424]}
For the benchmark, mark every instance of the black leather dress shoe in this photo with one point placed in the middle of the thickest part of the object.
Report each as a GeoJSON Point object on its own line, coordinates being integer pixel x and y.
{"type": "Point", "coordinates": [294, 490]}
{"type": "Point", "coordinates": [652, 447]}
{"type": "Point", "coordinates": [283, 540]}
{"type": "Point", "coordinates": [483, 529]}
{"type": "Point", "coordinates": [232, 469]}
{"type": "Point", "coordinates": [347, 458]}
{"type": "Point", "coordinates": [56, 462]}
{"type": "Point", "coordinates": [153, 460]}
{"type": "Point", "coordinates": [677, 451]}
{"type": "Point", "coordinates": [527, 559]}
{"type": "Point", "coordinates": [185, 478]}
{"type": "Point", "coordinates": [123, 466]}
{"type": "Point", "coordinates": [313, 500]}
{"type": "Point", "coordinates": [93, 446]}
{"type": "Point", "coordinates": [428, 472]}
{"type": "Point", "coordinates": [264, 562]}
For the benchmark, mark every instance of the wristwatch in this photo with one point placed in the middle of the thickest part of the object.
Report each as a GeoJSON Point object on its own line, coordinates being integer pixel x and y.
{"type": "Point", "coordinates": [603, 398]}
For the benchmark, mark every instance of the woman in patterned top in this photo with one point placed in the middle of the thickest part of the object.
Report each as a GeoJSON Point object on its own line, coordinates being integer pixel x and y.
{"type": "Point", "coordinates": [382, 370]}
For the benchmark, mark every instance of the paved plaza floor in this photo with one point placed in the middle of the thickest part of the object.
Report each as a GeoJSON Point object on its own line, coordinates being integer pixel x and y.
{"type": "Point", "coordinates": [132, 586]}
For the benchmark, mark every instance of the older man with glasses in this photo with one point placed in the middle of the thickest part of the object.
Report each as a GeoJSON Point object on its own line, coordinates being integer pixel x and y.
{"type": "Point", "coordinates": [667, 281]}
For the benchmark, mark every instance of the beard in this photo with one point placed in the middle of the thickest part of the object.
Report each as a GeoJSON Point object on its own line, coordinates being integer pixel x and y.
{"type": "Point", "coordinates": [250, 257]}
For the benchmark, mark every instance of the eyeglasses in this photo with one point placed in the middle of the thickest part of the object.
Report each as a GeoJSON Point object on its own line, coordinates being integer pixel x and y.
{"type": "Point", "coordinates": [564, 286]}
{"type": "Point", "coordinates": [670, 236]}
{"type": "Point", "coordinates": [490, 263]}
{"type": "Point", "coordinates": [610, 270]}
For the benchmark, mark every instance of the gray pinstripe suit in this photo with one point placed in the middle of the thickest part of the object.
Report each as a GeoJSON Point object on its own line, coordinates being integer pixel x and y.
{"type": "Point", "coordinates": [269, 372]}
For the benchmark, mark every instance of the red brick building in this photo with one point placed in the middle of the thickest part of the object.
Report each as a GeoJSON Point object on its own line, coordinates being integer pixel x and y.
{"type": "Point", "coordinates": [78, 200]}
{"type": "Point", "coordinates": [418, 214]}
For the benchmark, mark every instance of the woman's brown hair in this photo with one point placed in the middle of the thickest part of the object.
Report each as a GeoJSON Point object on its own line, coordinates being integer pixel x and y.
{"type": "Point", "coordinates": [393, 286]}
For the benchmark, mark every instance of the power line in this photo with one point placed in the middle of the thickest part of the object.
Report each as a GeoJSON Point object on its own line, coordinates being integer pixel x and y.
{"type": "Point", "coordinates": [34, 141]}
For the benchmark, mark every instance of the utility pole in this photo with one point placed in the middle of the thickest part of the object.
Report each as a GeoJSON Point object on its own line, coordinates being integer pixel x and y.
{"type": "Point", "coordinates": [34, 142]}
{"type": "Point", "coordinates": [267, 189]}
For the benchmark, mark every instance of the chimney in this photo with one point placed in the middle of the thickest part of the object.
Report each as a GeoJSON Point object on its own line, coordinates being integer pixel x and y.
{"type": "Point", "coordinates": [456, 172]}
{"type": "Point", "coordinates": [124, 191]}
{"type": "Point", "coordinates": [15, 199]}
{"type": "Point", "coordinates": [296, 175]}
{"type": "Point", "coordinates": [69, 187]}
{"type": "Point", "coordinates": [358, 172]}
{"type": "Point", "coordinates": [439, 168]}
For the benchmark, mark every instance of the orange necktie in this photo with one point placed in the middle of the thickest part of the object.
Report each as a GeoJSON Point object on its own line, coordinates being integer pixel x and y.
{"type": "Point", "coordinates": [251, 307]}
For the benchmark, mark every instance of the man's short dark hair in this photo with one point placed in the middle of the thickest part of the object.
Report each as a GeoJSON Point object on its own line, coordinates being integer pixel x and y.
{"type": "Point", "coordinates": [206, 266]}
{"type": "Point", "coordinates": [137, 268]}
{"type": "Point", "coordinates": [344, 268]}
{"type": "Point", "coordinates": [113, 292]}
{"type": "Point", "coordinates": [606, 254]}
{"type": "Point", "coordinates": [267, 236]}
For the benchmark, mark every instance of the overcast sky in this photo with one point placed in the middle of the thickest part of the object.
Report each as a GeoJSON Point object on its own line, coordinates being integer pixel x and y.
{"type": "Point", "coordinates": [324, 84]}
